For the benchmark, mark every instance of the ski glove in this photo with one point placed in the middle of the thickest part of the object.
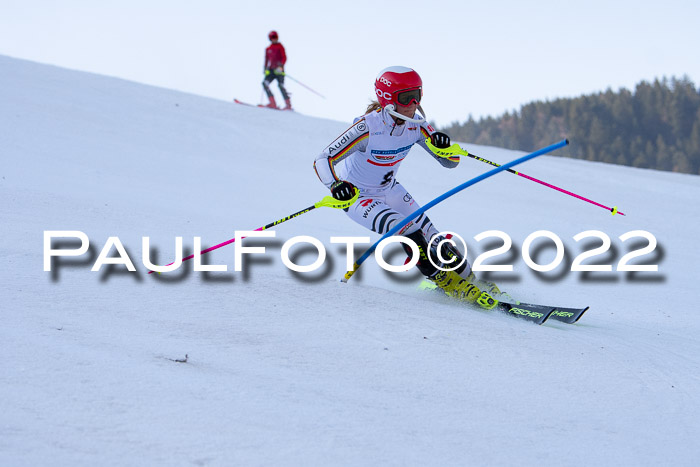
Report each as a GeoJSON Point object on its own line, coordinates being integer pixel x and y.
{"type": "Point", "coordinates": [343, 190]}
{"type": "Point", "coordinates": [440, 140]}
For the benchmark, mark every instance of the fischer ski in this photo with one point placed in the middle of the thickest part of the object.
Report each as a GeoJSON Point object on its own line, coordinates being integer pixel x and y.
{"type": "Point", "coordinates": [530, 311]}
{"type": "Point", "coordinates": [537, 314]}
{"type": "Point", "coordinates": [566, 315]}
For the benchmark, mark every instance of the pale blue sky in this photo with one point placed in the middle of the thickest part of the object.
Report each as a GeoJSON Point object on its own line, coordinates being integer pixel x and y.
{"type": "Point", "coordinates": [482, 58]}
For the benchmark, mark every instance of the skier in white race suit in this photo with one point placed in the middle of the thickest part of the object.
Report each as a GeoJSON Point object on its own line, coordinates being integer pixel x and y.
{"type": "Point", "coordinates": [368, 156]}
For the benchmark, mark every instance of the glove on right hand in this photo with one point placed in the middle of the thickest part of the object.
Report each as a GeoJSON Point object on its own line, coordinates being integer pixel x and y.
{"type": "Point", "coordinates": [342, 190]}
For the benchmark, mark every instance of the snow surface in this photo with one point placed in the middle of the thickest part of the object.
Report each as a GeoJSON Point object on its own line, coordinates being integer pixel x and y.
{"type": "Point", "coordinates": [300, 369]}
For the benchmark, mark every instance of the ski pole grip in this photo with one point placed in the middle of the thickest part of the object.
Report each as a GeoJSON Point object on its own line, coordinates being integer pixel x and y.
{"type": "Point", "coordinates": [453, 152]}
{"type": "Point", "coordinates": [331, 202]}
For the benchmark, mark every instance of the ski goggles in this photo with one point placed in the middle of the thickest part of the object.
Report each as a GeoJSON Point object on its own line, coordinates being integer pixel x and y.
{"type": "Point", "coordinates": [406, 98]}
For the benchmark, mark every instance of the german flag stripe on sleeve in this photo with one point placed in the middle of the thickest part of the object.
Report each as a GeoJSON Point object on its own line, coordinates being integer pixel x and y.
{"type": "Point", "coordinates": [347, 148]}
{"type": "Point", "coordinates": [330, 165]}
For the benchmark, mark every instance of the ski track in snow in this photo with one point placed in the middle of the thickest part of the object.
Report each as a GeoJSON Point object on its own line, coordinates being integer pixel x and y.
{"type": "Point", "coordinates": [296, 370]}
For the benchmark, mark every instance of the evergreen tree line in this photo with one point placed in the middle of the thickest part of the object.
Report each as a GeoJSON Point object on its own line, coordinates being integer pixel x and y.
{"type": "Point", "coordinates": [657, 126]}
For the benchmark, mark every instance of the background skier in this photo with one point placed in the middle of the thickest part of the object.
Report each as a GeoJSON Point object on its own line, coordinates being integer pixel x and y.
{"type": "Point", "coordinates": [275, 58]}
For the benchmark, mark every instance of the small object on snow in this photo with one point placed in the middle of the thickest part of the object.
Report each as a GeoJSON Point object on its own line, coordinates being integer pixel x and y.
{"type": "Point", "coordinates": [179, 360]}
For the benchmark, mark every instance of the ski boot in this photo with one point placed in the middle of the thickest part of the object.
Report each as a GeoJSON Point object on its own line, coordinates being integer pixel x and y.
{"type": "Point", "coordinates": [287, 104]}
{"type": "Point", "coordinates": [486, 286]}
{"type": "Point", "coordinates": [464, 289]}
{"type": "Point", "coordinates": [272, 104]}
{"type": "Point", "coordinates": [490, 288]}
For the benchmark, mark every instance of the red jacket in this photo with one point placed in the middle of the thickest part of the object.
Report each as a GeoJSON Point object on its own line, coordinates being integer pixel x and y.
{"type": "Point", "coordinates": [275, 56]}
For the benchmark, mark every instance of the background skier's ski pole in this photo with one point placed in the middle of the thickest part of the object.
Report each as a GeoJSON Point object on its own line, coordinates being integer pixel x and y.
{"type": "Point", "coordinates": [299, 82]}
{"type": "Point", "coordinates": [327, 201]}
{"type": "Point", "coordinates": [444, 196]}
{"type": "Point", "coordinates": [456, 149]}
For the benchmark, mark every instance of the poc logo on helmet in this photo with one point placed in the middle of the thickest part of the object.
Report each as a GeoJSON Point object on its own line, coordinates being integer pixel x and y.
{"type": "Point", "coordinates": [385, 81]}
{"type": "Point", "coordinates": [383, 94]}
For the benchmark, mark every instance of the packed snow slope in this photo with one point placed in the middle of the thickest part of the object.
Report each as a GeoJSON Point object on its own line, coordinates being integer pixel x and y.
{"type": "Point", "coordinates": [290, 368]}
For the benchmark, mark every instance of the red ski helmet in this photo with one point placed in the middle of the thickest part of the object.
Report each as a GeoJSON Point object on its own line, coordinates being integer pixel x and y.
{"type": "Point", "coordinates": [398, 85]}
{"type": "Point", "coordinates": [272, 35]}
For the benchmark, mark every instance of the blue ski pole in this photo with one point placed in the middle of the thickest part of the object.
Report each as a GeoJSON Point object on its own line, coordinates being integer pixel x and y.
{"type": "Point", "coordinates": [444, 196]}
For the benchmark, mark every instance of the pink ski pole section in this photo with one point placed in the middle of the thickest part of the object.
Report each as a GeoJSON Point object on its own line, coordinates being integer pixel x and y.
{"type": "Point", "coordinates": [212, 248]}
{"type": "Point", "coordinates": [568, 192]}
